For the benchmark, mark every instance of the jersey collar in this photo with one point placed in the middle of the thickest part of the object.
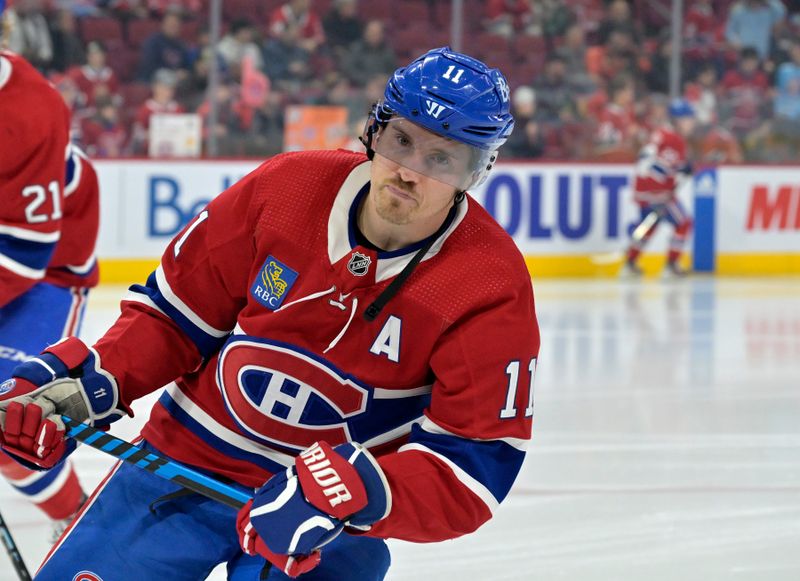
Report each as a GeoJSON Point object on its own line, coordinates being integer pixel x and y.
{"type": "Point", "coordinates": [341, 226]}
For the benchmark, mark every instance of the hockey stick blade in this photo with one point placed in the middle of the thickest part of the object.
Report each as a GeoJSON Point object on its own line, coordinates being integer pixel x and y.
{"type": "Point", "coordinates": [155, 463]}
{"type": "Point", "coordinates": [637, 235]}
{"type": "Point", "coordinates": [13, 551]}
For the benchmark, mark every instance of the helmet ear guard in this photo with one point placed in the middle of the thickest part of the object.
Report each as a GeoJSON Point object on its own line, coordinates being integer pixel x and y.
{"type": "Point", "coordinates": [371, 127]}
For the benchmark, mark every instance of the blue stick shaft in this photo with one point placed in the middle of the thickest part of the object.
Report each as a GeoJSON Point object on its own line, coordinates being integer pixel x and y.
{"type": "Point", "coordinates": [155, 463]}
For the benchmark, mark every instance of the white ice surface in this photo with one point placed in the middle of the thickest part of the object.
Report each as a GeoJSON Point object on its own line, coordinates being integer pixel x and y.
{"type": "Point", "coordinates": [666, 446]}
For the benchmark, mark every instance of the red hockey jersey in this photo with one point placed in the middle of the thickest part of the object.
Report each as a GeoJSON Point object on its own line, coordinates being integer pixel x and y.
{"type": "Point", "coordinates": [49, 198]}
{"type": "Point", "coordinates": [661, 162]}
{"type": "Point", "coordinates": [255, 319]}
{"type": "Point", "coordinates": [34, 131]}
{"type": "Point", "coordinates": [74, 263]}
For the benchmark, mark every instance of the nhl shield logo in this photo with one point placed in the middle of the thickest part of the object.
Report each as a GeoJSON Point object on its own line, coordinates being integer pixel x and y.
{"type": "Point", "coordinates": [359, 264]}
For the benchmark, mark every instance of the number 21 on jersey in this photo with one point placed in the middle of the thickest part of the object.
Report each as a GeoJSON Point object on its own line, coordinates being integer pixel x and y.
{"type": "Point", "coordinates": [513, 374]}
{"type": "Point", "coordinates": [36, 210]}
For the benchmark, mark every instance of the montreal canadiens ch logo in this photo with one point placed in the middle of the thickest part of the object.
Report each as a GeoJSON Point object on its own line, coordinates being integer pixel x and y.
{"type": "Point", "coordinates": [87, 576]}
{"type": "Point", "coordinates": [359, 264]}
{"type": "Point", "coordinates": [280, 395]}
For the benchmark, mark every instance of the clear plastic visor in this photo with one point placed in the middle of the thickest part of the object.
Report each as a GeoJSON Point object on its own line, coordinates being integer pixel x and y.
{"type": "Point", "coordinates": [415, 148]}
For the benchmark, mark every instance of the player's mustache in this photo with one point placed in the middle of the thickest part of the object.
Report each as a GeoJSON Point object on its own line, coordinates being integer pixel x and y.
{"type": "Point", "coordinates": [401, 185]}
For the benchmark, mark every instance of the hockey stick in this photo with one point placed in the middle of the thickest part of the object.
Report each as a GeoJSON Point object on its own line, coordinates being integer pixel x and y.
{"type": "Point", "coordinates": [155, 463]}
{"type": "Point", "coordinates": [13, 551]}
{"type": "Point", "coordinates": [638, 235]}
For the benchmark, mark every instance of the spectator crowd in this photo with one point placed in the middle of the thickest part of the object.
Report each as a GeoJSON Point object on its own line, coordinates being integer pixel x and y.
{"type": "Point", "coordinates": [589, 78]}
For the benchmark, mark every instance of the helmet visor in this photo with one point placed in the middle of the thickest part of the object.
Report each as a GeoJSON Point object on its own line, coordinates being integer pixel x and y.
{"type": "Point", "coordinates": [413, 147]}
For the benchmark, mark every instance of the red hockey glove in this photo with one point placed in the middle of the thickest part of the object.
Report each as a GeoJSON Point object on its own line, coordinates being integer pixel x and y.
{"type": "Point", "coordinates": [252, 544]}
{"type": "Point", "coordinates": [65, 379]}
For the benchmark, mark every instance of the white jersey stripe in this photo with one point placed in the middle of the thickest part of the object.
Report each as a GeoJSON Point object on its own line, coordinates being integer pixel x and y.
{"type": "Point", "coordinates": [20, 269]}
{"type": "Point", "coordinates": [135, 297]}
{"type": "Point", "coordinates": [85, 268]}
{"type": "Point", "coordinates": [433, 428]}
{"type": "Point", "coordinates": [184, 309]}
{"type": "Point", "coordinates": [30, 235]}
{"type": "Point", "coordinates": [381, 393]}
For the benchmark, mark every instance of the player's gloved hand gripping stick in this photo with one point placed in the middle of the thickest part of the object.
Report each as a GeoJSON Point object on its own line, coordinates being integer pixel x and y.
{"type": "Point", "coordinates": [156, 463]}
{"type": "Point", "coordinates": [176, 472]}
{"type": "Point", "coordinates": [310, 503]}
{"type": "Point", "coordinates": [65, 393]}
{"type": "Point", "coordinates": [66, 378]}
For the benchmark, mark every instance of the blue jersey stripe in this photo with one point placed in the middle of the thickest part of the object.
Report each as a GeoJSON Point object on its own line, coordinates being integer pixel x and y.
{"type": "Point", "coordinates": [494, 464]}
{"type": "Point", "coordinates": [206, 343]}
{"type": "Point", "coordinates": [35, 255]}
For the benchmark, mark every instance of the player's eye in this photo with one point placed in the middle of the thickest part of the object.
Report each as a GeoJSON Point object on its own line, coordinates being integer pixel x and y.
{"type": "Point", "coordinates": [402, 140]}
{"type": "Point", "coordinates": [439, 160]}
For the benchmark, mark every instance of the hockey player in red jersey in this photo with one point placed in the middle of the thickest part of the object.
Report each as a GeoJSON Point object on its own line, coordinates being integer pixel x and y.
{"type": "Point", "coordinates": [349, 339]}
{"type": "Point", "coordinates": [662, 167]}
{"type": "Point", "coordinates": [48, 228]}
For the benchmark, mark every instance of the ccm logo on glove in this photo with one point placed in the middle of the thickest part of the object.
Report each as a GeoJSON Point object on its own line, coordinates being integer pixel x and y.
{"type": "Point", "coordinates": [323, 473]}
{"type": "Point", "coordinates": [7, 386]}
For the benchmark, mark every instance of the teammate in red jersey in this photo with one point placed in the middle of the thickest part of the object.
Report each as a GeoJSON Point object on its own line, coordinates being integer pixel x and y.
{"type": "Point", "coordinates": [661, 168]}
{"type": "Point", "coordinates": [352, 338]}
{"type": "Point", "coordinates": [48, 229]}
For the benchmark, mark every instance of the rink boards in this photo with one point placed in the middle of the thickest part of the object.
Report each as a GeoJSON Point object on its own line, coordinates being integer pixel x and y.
{"type": "Point", "coordinates": [567, 219]}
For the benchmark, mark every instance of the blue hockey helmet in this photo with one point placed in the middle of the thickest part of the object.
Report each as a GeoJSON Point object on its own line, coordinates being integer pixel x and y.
{"type": "Point", "coordinates": [451, 96]}
{"type": "Point", "coordinates": [680, 108]}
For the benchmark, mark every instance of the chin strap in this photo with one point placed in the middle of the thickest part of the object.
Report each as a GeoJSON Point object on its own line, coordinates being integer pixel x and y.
{"type": "Point", "coordinates": [375, 308]}
{"type": "Point", "coordinates": [370, 130]}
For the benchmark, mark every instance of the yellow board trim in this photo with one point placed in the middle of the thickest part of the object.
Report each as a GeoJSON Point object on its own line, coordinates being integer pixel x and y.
{"type": "Point", "coordinates": [600, 265]}
{"type": "Point", "coordinates": [126, 270]}
{"type": "Point", "coordinates": [758, 264]}
{"type": "Point", "coordinates": [131, 271]}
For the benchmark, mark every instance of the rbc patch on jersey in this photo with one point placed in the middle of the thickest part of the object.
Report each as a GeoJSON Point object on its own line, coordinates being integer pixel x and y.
{"type": "Point", "coordinates": [273, 283]}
